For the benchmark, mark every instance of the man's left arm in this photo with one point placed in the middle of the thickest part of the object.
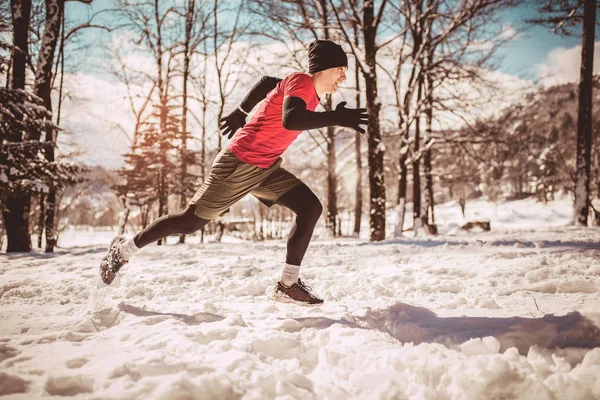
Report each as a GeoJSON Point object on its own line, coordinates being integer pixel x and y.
{"type": "Point", "coordinates": [237, 118]}
{"type": "Point", "coordinates": [296, 117]}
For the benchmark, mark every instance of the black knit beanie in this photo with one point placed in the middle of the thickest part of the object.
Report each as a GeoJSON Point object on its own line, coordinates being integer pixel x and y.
{"type": "Point", "coordinates": [324, 54]}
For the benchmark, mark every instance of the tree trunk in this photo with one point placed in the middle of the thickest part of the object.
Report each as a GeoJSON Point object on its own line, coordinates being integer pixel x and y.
{"type": "Point", "coordinates": [2, 231]}
{"type": "Point", "coordinates": [162, 85]}
{"type": "Point", "coordinates": [429, 210]}
{"type": "Point", "coordinates": [189, 20]}
{"type": "Point", "coordinates": [50, 222]}
{"type": "Point", "coordinates": [358, 197]}
{"type": "Point", "coordinates": [16, 220]}
{"type": "Point", "coordinates": [41, 218]}
{"type": "Point", "coordinates": [218, 70]}
{"type": "Point", "coordinates": [376, 146]}
{"type": "Point", "coordinates": [332, 211]}
{"type": "Point", "coordinates": [402, 183]}
{"type": "Point", "coordinates": [597, 172]}
{"type": "Point", "coordinates": [162, 198]}
{"type": "Point", "coordinates": [404, 124]}
{"type": "Point", "coordinates": [124, 218]}
{"type": "Point", "coordinates": [52, 216]}
{"type": "Point", "coordinates": [402, 172]}
{"type": "Point", "coordinates": [21, 14]}
{"type": "Point", "coordinates": [416, 164]}
{"type": "Point", "coordinates": [43, 73]}
{"type": "Point", "coordinates": [204, 112]}
{"type": "Point", "coordinates": [584, 123]}
{"type": "Point", "coordinates": [16, 210]}
{"type": "Point", "coordinates": [43, 88]}
{"type": "Point", "coordinates": [331, 177]}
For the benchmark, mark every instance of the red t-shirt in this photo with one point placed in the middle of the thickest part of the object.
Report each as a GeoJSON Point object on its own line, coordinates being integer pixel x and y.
{"type": "Point", "coordinates": [264, 139]}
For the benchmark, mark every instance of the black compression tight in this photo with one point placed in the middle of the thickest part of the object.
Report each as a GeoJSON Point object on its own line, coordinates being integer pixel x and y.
{"type": "Point", "coordinates": [307, 207]}
{"type": "Point", "coordinates": [301, 200]}
{"type": "Point", "coordinates": [182, 222]}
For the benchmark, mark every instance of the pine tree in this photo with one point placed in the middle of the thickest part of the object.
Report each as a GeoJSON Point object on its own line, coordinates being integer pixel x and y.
{"type": "Point", "coordinates": [24, 169]}
{"type": "Point", "coordinates": [152, 163]}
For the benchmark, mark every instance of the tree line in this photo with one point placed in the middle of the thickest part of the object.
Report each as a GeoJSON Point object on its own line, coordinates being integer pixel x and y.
{"type": "Point", "coordinates": [408, 59]}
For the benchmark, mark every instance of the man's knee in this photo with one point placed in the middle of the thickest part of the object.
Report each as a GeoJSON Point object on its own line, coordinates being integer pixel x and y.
{"type": "Point", "coordinates": [313, 210]}
{"type": "Point", "coordinates": [188, 222]}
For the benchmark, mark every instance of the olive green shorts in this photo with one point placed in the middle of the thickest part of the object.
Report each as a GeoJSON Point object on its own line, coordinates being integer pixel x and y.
{"type": "Point", "coordinates": [230, 180]}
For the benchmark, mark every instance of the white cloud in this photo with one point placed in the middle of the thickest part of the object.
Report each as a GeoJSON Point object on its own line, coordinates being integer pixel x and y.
{"type": "Point", "coordinates": [562, 65]}
{"type": "Point", "coordinates": [480, 100]}
{"type": "Point", "coordinates": [91, 117]}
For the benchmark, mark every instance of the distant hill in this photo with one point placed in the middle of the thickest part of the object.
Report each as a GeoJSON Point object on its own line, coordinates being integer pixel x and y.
{"type": "Point", "coordinates": [529, 150]}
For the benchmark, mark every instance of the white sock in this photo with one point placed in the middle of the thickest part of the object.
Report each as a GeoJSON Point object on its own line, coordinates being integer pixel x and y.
{"type": "Point", "coordinates": [128, 249]}
{"type": "Point", "coordinates": [289, 275]}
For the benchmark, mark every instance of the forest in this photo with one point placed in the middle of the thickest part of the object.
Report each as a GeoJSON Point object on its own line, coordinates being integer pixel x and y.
{"type": "Point", "coordinates": [443, 126]}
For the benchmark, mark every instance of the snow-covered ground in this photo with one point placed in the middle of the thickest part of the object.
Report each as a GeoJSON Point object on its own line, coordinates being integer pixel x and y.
{"type": "Point", "coordinates": [509, 314]}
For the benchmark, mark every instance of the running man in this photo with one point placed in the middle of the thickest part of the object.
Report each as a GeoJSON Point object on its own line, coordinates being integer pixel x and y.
{"type": "Point", "coordinates": [251, 164]}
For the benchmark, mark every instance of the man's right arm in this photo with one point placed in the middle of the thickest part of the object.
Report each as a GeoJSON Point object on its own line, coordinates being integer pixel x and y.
{"type": "Point", "coordinates": [259, 92]}
{"type": "Point", "coordinates": [237, 118]}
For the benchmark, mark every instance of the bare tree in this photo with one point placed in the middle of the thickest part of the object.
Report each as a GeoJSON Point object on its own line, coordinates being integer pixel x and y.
{"type": "Point", "coordinates": [562, 16]}
{"type": "Point", "coordinates": [224, 40]}
{"type": "Point", "coordinates": [369, 22]}
{"type": "Point", "coordinates": [16, 206]}
{"type": "Point", "coordinates": [442, 49]}
{"type": "Point", "coordinates": [43, 88]}
{"type": "Point", "coordinates": [358, 195]}
{"type": "Point", "coordinates": [584, 121]}
{"type": "Point", "coordinates": [201, 87]}
{"type": "Point", "coordinates": [190, 14]}
{"type": "Point", "coordinates": [429, 197]}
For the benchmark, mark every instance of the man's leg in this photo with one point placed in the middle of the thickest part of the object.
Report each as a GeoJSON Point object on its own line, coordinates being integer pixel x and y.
{"type": "Point", "coordinates": [283, 188]}
{"type": "Point", "coordinates": [229, 181]}
{"type": "Point", "coordinates": [182, 222]}
{"type": "Point", "coordinates": [308, 209]}
{"type": "Point", "coordinates": [121, 249]}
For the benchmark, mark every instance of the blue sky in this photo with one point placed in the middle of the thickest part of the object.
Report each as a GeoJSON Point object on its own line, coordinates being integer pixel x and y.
{"type": "Point", "coordinates": [520, 57]}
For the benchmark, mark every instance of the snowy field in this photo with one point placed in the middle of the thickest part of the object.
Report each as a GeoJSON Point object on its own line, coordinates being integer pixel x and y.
{"type": "Point", "coordinates": [509, 314]}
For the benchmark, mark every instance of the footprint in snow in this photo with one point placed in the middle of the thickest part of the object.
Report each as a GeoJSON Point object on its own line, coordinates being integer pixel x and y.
{"type": "Point", "coordinates": [68, 385]}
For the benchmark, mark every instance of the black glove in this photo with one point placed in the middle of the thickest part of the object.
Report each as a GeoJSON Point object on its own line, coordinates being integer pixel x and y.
{"type": "Point", "coordinates": [350, 117]}
{"type": "Point", "coordinates": [231, 123]}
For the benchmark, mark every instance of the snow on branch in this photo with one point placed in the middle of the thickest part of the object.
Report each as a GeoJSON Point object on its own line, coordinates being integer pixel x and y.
{"type": "Point", "coordinates": [23, 165]}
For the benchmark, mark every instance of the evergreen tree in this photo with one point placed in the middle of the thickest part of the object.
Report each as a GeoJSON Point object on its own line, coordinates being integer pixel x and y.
{"type": "Point", "coordinates": [153, 162]}
{"type": "Point", "coordinates": [24, 169]}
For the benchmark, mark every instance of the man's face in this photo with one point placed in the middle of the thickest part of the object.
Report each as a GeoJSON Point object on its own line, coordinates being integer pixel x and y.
{"type": "Point", "coordinates": [333, 78]}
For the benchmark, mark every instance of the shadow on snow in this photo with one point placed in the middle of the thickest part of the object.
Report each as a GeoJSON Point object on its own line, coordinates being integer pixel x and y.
{"type": "Point", "coordinates": [410, 324]}
{"type": "Point", "coordinates": [580, 245]}
{"type": "Point", "coordinates": [189, 319]}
